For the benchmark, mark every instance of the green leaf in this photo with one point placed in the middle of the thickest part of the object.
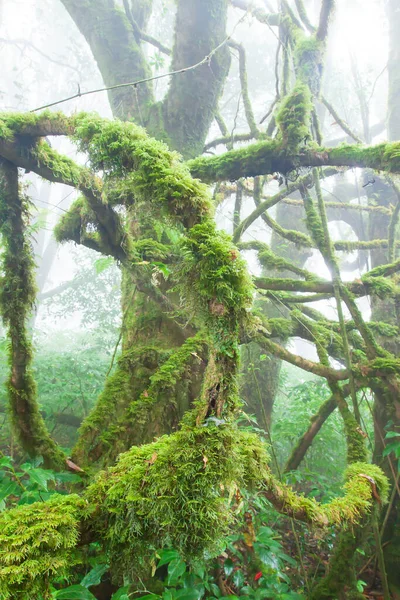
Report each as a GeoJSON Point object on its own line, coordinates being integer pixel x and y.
{"type": "Point", "coordinates": [176, 569]}
{"type": "Point", "coordinates": [228, 567]}
{"type": "Point", "coordinates": [74, 592]}
{"type": "Point", "coordinates": [166, 556]}
{"type": "Point", "coordinates": [238, 579]}
{"type": "Point", "coordinates": [392, 447]}
{"type": "Point", "coordinates": [163, 268]}
{"type": "Point", "coordinates": [8, 488]}
{"type": "Point", "coordinates": [41, 477]}
{"type": "Point", "coordinates": [187, 594]}
{"type": "Point", "coordinates": [121, 594]}
{"type": "Point", "coordinates": [6, 461]}
{"type": "Point", "coordinates": [101, 264]}
{"type": "Point", "coordinates": [94, 576]}
{"type": "Point", "coordinates": [390, 434]}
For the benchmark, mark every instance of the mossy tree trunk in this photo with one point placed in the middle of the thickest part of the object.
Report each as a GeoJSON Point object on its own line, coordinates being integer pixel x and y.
{"type": "Point", "coordinates": [17, 298]}
{"type": "Point", "coordinates": [183, 120]}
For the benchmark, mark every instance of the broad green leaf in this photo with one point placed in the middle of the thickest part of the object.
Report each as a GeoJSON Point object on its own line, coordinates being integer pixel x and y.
{"type": "Point", "coordinates": [228, 567]}
{"type": "Point", "coordinates": [176, 569]}
{"type": "Point", "coordinates": [166, 556]}
{"type": "Point", "coordinates": [121, 594]}
{"type": "Point", "coordinates": [41, 477]}
{"type": "Point", "coordinates": [94, 576]}
{"type": "Point", "coordinates": [6, 461]}
{"type": "Point", "coordinates": [392, 447]}
{"type": "Point", "coordinates": [74, 592]}
{"type": "Point", "coordinates": [238, 579]}
{"type": "Point", "coordinates": [187, 594]}
{"type": "Point", "coordinates": [390, 434]}
{"type": "Point", "coordinates": [9, 488]}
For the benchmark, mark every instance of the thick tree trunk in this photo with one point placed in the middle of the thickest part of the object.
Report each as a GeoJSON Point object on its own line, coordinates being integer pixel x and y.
{"type": "Point", "coordinates": [118, 54]}
{"type": "Point", "coordinates": [192, 99]}
{"type": "Point", "coordinates": [183, 119]}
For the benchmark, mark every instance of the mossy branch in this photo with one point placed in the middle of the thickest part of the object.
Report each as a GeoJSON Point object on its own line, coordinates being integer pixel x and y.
{"type": "Point", "coordinates": [17, 298]}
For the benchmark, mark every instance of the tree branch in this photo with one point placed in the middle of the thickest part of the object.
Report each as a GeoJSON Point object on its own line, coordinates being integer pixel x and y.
{"type": "Point", "coordinates": [324, 17]}
{"type": "Point", "coordinates": [267, 157]}
{"type": "Point", "coordinates": [272, 19]}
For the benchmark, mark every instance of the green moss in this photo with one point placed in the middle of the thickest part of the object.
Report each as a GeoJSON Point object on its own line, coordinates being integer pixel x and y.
{"type": "Point", "coordinates": [148, 413]}
{"type": "Point", "coordinates": [314, 223]}
{"type": "Point", "coordinates": [174, 492]}
{"type": "Point", "coordinates": [28, 123]}
{"type": "Point", "coordinates": [279, 327]}
{"type": "Point", "coordinates": [37, 542]}
{"type": "Point", "coordinates": [380, 286]}
{"type": "Point", "coordinates": [105, 424]}
{"type": "Point", "coordinates": [293, 117]}
{"type": "Point", "coordinates": [17, 297]}
{"type": "Point", "coordinates": [154, 171]}
{"type": "Point", "coordinates": [309, 53]}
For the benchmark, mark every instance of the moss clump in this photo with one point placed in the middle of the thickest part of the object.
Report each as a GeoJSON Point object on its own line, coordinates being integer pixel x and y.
{"type": "Point", "coordinates": [358, 499]}
{"type": "Point", "coordinates": [152, 411]}
{"type": "Point", "coordinates": [280, 327]}
{"type": "Point", "coordinates": [38, 541]}
{"type": "Point", "coordinates": [215, 275]}
{"type": "Point", "coordinates": [155, 172]}
{"type": "Point", "coordinates": [293, 117]}
{"type": "Point", "coordinates": [309, 62]}
{"type": "Point", "coordinates": [174, 492]}
{"type": "Point", "coordinates": [379, 286]}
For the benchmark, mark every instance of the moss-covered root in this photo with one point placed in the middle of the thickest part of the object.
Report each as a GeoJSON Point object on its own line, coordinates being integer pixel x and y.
{"type": "Point", "coordinates": [340, 583]}
{"type": "Point", "coordinates": [38, 541]}
{"type": "Point", "coordinates": [17, 296]}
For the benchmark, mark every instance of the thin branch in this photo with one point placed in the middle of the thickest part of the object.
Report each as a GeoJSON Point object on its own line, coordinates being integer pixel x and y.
{"type": "Point", "coordinates": [272, 19]}
{"type": "Point", "coordinates": [301, 9]}
{"type": "Point", "coordinates": [340, 121]}
{"type": "Point", "coordinates": [227, 140]}
{"type": "Point", "coordinates": [324, 18]}
{"type": "Point", "coordinates": [143, 35]}
{"type": "Point", "coordinates": [307, 365]}
{"type": "Point", "coordinates": [28, 44]}
{"type": "Point", "coordinates": [245, 88]}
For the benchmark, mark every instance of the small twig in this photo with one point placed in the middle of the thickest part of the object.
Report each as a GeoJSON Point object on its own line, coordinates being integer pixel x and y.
{"type": "Point", "coordinates": [28, 44]}
{"type": "Point", "coordinates": [141, 35]}
{"type": "Point", "coordinates": [340, 121]}
{"type": "Point", "coordinates": [121, 330]}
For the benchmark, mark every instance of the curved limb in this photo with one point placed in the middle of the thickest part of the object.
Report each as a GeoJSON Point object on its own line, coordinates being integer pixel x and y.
{"type": "Point", "coordinates": [17, 298]}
